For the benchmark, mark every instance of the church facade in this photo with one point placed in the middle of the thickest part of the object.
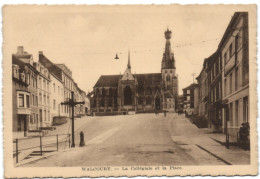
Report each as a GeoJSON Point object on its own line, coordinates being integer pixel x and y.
{"type": "Point", "coordinates": [120, 94]}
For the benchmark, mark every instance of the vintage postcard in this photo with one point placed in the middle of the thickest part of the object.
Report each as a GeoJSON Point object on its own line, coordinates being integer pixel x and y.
{"type": "Point", "coordinates": [129, 90]}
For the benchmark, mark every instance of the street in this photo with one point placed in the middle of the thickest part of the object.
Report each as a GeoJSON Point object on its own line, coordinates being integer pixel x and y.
{"type": "Point", "coordinates": [141, 139]}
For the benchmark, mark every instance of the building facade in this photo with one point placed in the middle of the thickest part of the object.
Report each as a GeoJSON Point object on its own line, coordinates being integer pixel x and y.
{"type": "Point", "coordinates": [235, 74]}
{"type": "Point", "coordinates": [214, 72]}
{"type": "Point", "coordinates": [43, 90]}
{"type": "Point", "coordinates": [57, 97]}
{"type": "Point", "coordinates": [202, 80]}
{"type": "Point", "coordinates": [138, 92]}
{"type": "Point", "coordinates": [25, 96]}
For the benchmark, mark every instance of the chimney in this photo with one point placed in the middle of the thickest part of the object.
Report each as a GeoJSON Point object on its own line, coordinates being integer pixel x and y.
{"type": "Point", "coordinates": [20, 50]}
{"type": "Point", "coordinates": [40, 52]}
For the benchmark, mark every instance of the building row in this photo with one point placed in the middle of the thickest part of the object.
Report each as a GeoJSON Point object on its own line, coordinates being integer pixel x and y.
{"type": "Point", "coordinates": [222, 92]}
{"type": "Point", "coordinates": [39, 88]}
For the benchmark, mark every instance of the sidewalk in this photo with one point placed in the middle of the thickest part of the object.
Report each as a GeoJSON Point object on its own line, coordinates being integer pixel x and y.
{"type": "Point", "coordinates": [233, 156]}
{"type": "Point", "coordinates": [27, 145]}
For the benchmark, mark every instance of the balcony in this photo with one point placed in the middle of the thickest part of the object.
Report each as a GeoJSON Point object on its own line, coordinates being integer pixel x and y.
{"type": "Point", "coordinates": [26, 111]}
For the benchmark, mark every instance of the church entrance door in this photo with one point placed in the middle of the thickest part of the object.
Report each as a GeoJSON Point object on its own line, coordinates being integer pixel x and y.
{"type": "Point", "coordinates": [157, 103]}
{"type": "Point", "coordinates": [127, 96]}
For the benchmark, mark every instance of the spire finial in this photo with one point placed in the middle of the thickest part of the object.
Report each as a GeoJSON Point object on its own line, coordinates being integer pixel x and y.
{"type": "Point", "coordinates": [129, 65]}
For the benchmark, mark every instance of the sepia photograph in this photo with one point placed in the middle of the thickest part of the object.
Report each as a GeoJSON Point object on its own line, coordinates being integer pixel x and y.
{"type": "Point", "coordinates": [129, 90]}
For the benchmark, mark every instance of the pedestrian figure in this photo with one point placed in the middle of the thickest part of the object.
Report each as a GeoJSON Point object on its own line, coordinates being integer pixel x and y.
{"type": "Point", "coordinates": [243, 136]}
{"type": "Point", "coordinates": [164, 113]}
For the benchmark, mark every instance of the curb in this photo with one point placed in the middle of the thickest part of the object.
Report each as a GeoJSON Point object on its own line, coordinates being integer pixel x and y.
{"type": "Point", "coordinates": [219, 158]}
{"type": "Point", "coordinates": [24, 162]}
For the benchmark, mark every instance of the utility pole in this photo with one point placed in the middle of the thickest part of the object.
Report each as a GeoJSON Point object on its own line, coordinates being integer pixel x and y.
{"type": "Point", "coordinates": [193, 74]}
{"type": "Point", "coordinates": [72, 104]}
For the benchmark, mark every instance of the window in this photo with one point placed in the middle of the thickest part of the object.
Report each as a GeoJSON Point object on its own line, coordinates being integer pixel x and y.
{"type": "Point", "coordinates": [40, 98]}
{"type": "Point", "coordinates": [236, 109]}
{"type": "Point", "coordinates": [245, 109]}
{"type": "Point", "coordinates": [231, 114]}
{"type": "Point", "coordinates": [54, 104]}
{"type": "Point", "coordinates": [225, 58]}
{"type": "Point", "coordinates": [48, 88]}
{"type": "Point", "coordinates": [53, 87]}
{"type": "Point", "coordinates": [36, 82]}
{"type": "Point", "coordinates": [21, 100]}
{"type": "Point", "coordinates": [188, 91]}
{"type": "Point", "coordinates": [225, 87]}
{"type": "Point", "coordinates": [236, 79]}
{"type": "Point", "coordinates": [27, 101]}
{"type": "Point", "coordinates": [48, 100]}
{"type": "Point", "coordinates": [44, 84]}
{"type": "Point", "coordinates": [32, 81]}
{"type": "Point", "coordinates": [219, 65]}
{"type": "Point", "coordinates": [40, 82]}
{"type": "Point", "coordinates": [45, 115]}
{"type": "Point", "coordinates": [230, 84]}
{"type": "Point", "coordinates": [230, 51]}
{"type": "Point", "coordinates": [219, 89]}
{"type": "Point", "coordinates": [36, 101]}
{"type": "Point", "coordinates": [58, 90]}
{"type": "Point", "coordinates": [188, 98]}
{"type": "Point", "coordinates": [44, 99]}
{"type": "Point", "coordinates": [214, 69]}
{"type": "Point", "coordinates": [31, 119]}
{"type": "Point", "coordinates": [33, 100]}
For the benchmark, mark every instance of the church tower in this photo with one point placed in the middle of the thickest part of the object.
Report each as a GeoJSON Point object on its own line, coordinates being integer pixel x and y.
{"type": "Point", "coordinates": [169, 77]}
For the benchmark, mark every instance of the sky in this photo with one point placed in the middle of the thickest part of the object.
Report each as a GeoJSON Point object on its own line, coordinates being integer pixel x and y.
{"type": "Point", "coordinates": [87, 38]}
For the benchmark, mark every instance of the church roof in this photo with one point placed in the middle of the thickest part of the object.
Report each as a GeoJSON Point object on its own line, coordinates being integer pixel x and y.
{"type": "Point", "coordinates": [148, 78]}
{"type": "Point", "coordinates": [112, 80]}
{"type": "Point", "coordinates": [108, 81]}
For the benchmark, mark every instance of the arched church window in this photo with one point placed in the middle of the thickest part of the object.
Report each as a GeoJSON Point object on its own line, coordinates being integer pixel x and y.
{"type": "Point", "coordinates": [115, 92]}
{"type": "Point", "coordinates": [102, 102]}
{"type": "Point", "coordinates": [149, 90]}
{"type": "Point", "coordinates": [110, 102]}
{"type": "Point", "coordinates": [110, 92]}
{"type": "Point", "coordinates": [168, 78]}
{"type": "Point", "coordinates": [103, 92]}
{"type": "Point", "coordinates": [148, 100]}
{"type": "Point", "coordinates": [140, 100]}
{"type": "Point", "coordinates": [127, 96]}
{"type": "Point", "coordinates": [115, 101]}
{"type": "Point", "coordinates": [140, 89]}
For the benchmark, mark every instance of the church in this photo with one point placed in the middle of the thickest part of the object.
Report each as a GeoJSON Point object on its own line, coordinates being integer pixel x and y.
{"type": "Point", "coordinates": [138, 93]}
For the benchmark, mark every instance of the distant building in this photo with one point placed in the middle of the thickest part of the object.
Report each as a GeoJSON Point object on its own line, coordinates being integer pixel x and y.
{"type": "Point", "coordinates": [189, 94]}
{"type": "Point", "coordinates": [235, 74]}
{"type": "Point", "coordinates": [138, 92]}
{"type": "Point", "coordinates": [57, 96]}
{"type": "Point", "coordinates": [64, 75]}
{"type": "Point", "coordinates": [203, 91]}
